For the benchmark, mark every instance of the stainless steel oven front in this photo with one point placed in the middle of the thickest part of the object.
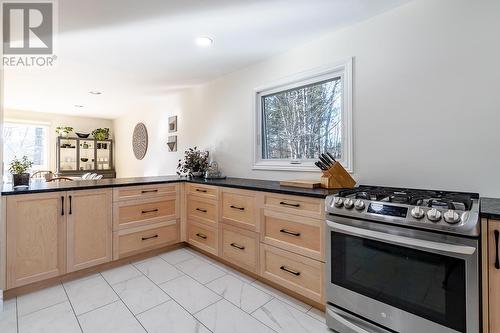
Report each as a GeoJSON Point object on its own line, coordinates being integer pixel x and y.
{"type": "Point", "coordinates": [384, 278]}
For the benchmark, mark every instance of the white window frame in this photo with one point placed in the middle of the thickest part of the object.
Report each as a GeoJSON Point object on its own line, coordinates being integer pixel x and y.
{"type": "Point", "coordinates": [343, 70]}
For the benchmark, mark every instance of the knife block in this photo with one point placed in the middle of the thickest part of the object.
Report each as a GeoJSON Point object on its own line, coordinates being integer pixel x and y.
{"type": "Point", "coordinates": [337, 177]}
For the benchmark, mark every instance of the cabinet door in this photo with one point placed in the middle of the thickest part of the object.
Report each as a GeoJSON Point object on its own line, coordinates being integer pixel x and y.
{"type": "Point", "coordinates": [36, 237]}
{"type": "Point", "coordinates": [494, 275]}
{"type": "Point", "coordinates": [89, 228]}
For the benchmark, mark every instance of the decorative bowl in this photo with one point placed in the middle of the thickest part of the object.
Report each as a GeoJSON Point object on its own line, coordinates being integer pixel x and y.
{"type": "Point", "coordinates": [82, 135]}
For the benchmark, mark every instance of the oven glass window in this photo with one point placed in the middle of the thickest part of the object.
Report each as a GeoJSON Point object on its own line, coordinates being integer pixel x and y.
{"type": "Point", "coordinates": [428, 285]}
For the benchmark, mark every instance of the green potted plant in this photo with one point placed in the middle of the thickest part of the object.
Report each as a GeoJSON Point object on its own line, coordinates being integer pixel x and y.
{"type": "Point", "coordinates": [195, 163]}
{"type": "Point", "coordinates": [18, 168]}
{"type": "Point", "coordinates": [101, 133]}
{"type": "Point", "coordinates": [63, 131]}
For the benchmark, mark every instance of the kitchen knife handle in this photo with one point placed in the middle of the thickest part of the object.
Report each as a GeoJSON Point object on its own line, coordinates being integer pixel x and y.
{"type": "Point", "coordinates": [331, 157]}
{"type": "Point", "coordinates": [497, 261]}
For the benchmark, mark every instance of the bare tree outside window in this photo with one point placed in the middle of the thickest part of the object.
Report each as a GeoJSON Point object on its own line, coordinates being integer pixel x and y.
{"type": "Point", "coordinates": [303, 122]}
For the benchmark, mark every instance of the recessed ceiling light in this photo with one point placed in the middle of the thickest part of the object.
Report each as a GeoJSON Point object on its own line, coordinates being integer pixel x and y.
{"type": "Point", "coordinates": [78, 106]}
{"type": "Point", "coordinates": [204, 41]}
{"type": "Point", "coordinates": [94, 92]}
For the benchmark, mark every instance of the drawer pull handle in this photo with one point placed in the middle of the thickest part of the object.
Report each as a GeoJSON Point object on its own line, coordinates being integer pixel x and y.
{"type": "Point", "coordinates": [149, 191]}
{"type": "Point", "coordinates": [291, 233]}
{"type": "Point", "coordinates": [150, 237]}
{"type": "Point", "coordinates": [236, 207]}
{"type": "Point", "coordinates": [202, 236]}
{"type": "Point", "coordinates": [149, 211]}
{"type": "Point", "coordinates": [288, 270]}
{"type": "Point", "coordinates": [62, 206]}
{"type": "Point", "coordinates": [239, 247]}
{"type": "Point", "coordinates": [201, 210]}
{"type": "Point", "coordinates": [497, 261]}
{"type": "Point", "coordinates": [284, 203]}
{"type": "Point", "coordinates": [200, 190]}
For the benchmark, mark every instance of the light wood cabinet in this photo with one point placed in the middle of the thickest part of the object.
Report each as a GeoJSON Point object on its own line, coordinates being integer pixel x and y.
{"type": "Point", "coordinates": [239, 208]}
{"type": "Point", "coordinates": [143, 192]}
{"type": "Point", "coordinates": [493, 272]}
{"type": "Point", "coordinates": [89, 226]}
{"type": "Point", "coordinates": [131, 241]}
{"type": "Point", "coordinates": [300, 274]}
{"type": "Point", "coordinates": [202, 210]}
{"type": "Point", "coordinates": [299, 234]}
{"type": "Point", "coordinates": [203, 237]}
{"type": "Point", "coordinates": [240, 247]}
{"type": "Point", "coordinates": [36, 237]}
{"type": "Point", "coordinates": [134, 213]}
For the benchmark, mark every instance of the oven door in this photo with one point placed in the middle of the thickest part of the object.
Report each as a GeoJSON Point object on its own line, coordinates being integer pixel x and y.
{"type": "Point", "coordinates": [402, 279]}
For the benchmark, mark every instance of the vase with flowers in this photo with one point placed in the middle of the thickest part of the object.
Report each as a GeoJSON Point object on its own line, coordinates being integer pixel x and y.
{"type": "Point", "coordinates": [195, 163]}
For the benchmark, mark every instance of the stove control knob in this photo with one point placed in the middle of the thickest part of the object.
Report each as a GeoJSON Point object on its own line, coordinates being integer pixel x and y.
{"type": "Point", "coordinates": [338, 202]}
{"type": "Point", "coordinates": [348, 203]}
{"type": "Point", "coordinates": [434, 215]}
{"type": "Point", "coordinates": [417, 212]}
{"type": "Point", "coordinates": [451, 217]}
{"type": "Point", "coordinates": [359, 204]}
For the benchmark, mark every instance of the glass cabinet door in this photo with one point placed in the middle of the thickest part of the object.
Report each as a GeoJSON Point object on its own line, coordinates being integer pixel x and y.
{"type": "Point", "coordinates": [103, 155]}
{"type": "Point", "coordinates": [86, 156]}
{"type": "Point", "coordinates": [68, 154]}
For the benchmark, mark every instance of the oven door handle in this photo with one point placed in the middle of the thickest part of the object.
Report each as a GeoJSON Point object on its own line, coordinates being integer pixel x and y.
{"type": "Point", "coordinates": [402, 240]}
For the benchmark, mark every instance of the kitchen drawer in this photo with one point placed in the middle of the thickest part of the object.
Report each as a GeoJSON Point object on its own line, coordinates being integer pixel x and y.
{"type": "Point", "coordinates": [202, 210]}
{"type": "Point", "coordinates": [136, 240]}
{"type": "Point", "coordinates": [203, 237]}
{"type": "Point", "coordinates": [304, 206]}
{"type": "Point", "coordinates": [240, 247]}
{"type": "Point", "coordinates": [295, 272]}
{"type": "Point", "coordinates": [143, 192]}
{"type": "Point", "coordinates": [127, 214]}
{"type": "Point", "coordinates": [206, 191]}
{"type": "Point", "coordinates": [299, 234]}
{"type": "Point", "coordinates": [239, 208]}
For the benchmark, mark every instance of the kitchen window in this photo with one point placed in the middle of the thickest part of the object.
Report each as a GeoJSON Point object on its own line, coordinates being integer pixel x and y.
{"type": "Point", "coordinates": [28, 139]}
{"type": "Point", "coordinates": [301, 117]}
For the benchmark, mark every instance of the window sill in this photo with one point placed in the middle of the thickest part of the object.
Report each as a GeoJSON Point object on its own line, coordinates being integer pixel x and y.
{"type": "Point", "coordinates": [292, 167]}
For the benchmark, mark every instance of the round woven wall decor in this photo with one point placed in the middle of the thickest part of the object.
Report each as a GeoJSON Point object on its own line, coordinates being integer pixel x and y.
{"type": "Point", "coordinates": [140, 141]}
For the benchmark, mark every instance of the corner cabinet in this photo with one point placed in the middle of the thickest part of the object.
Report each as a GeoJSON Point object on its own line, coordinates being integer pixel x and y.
{"type": "Point", "coordinates": [54, 233]}
{"type": "Point", "coordinates": [77, 156]}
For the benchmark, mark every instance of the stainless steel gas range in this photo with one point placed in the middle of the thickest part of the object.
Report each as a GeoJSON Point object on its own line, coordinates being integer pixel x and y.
{"type": "Point", "coordinates": [402, 260]}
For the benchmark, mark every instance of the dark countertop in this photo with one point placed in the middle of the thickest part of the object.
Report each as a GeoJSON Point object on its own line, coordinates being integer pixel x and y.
{"type": "Point", "coordinates": [40, 186]}
{"type": "Point", "coordinates": [490, 208]}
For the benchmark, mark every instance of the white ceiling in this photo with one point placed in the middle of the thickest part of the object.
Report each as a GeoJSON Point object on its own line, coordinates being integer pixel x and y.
{"type": "Point", "coordinates": [133, 50]}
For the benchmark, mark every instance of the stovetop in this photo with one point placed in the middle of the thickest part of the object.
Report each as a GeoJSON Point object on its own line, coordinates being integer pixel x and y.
{"type": "Point", "coordinates": [451, 212]}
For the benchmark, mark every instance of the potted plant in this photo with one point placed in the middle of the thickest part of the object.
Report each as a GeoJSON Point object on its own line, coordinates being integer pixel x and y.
{"type": "Point", "coordinates": [18, 168]}
{"type": "Point", "coordinates": [195, 163]}
{"type": "Point", "coordinates": [63, 131]}
{"type": "Point", "coordinates": [101, 133]}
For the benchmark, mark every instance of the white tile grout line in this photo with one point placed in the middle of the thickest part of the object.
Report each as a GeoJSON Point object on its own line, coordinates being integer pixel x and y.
{"type": "Point", "coordinates": [17, 317]}
{"type": "Point", "coordinates": [123, 302]}
{"type": "Point", "coordinates": [173, 299]}
{"type": "Point", "coordinates": [72, 308]}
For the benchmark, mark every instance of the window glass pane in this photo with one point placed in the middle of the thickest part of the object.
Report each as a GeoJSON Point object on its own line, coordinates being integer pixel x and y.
{"type": "Point", "coordinates": [25, 139]}
{"type": "Point", "coordinates": [303, 122]}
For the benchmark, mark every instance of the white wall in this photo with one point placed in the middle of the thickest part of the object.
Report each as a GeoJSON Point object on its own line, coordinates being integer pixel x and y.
{"type": "Point", "coordinates": [80, 124]}
{"type": "Point", "coordinates": [426, 101]}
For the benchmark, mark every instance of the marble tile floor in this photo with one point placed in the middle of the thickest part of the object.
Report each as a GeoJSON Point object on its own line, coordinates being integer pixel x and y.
{"type": "Point", "coordinates": [179, 291]}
